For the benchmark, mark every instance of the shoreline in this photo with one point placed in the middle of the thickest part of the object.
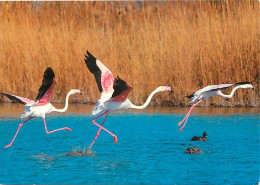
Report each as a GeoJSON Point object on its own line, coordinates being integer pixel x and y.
{"type": "Point", "coordinates": [15, 110]}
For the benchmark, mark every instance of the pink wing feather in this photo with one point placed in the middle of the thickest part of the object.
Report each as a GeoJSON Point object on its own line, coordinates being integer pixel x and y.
{"type": "Point", "coordinates": [103, 76]}
{"type": "Point", "coordinates": [47, 96]}
{"type": "Point", "coordinates": [19, 99]}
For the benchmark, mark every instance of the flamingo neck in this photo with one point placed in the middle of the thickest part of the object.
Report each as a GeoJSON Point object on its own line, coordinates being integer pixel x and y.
{"type": "Point", "coordinates": [228, 95]}
{"type": "Point", "coordinates": [146, 103]}
{"type": "Point", "coordinates": [66, 105]}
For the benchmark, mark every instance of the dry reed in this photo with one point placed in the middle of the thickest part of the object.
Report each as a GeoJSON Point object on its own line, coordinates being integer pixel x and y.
{"type": "Point", "coordinates": [183, 45]}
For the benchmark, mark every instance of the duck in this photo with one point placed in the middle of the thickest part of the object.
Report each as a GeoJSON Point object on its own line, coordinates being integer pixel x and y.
{"type": "Point", "coordinates": [193, 150]}
{"type": "Point", "coordinates": [198, 138]}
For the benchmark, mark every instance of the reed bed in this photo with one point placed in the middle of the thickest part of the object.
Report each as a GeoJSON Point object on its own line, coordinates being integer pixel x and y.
{"type": "Point", "coordinates": [185, 45]}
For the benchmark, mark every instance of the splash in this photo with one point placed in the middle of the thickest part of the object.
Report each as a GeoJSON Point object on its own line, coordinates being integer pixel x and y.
{"type": "Point", "coordinates": [77, 151]}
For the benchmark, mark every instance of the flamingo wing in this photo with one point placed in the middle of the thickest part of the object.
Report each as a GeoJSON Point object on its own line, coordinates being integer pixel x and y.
{"type": "Point", "coordinates": [121, 90]}
{"type": "Point", "coordinates": [219, 87]}
{"type": "Point", "coordinates": [209, 88]}
{"type": "Point", "coordinates": [46, 89]}
{"type": "Point", "coordinates": [224, 86]}
{"type": "Point", "coordinates": [103, 76]}
{"type": "Point", "coordinates": [21, 100]}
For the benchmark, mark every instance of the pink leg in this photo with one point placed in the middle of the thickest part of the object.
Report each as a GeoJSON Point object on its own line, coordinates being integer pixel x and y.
{"type": "Point", "coordinates": [101, 127]}
{"type": "Point", "coordinates": [48, 132]}
{"type": "Point", "coordinates": [179, 124]}
{"type": "Point", "coordinates": [187, 116]}
{"type": "Point", "coordinates": [97, 133]}
{"type": "Point", "coordinates": [20, 125]}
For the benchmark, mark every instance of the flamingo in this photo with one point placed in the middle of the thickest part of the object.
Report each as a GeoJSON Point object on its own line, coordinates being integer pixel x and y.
{"type": "Point", "coordinates": [210, 91]}
{"type": "Point", "coordinates": [42, 105]}
{"type": "Point", "coordinates": [114, 93]}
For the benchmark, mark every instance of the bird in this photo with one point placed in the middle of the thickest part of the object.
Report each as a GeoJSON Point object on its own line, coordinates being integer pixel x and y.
{"type": "Point", "coordinates": [42, 105]}
{"type": "Point", "coordinates": [210, 91]}
{"type": "Point", "coordinates": [114, 93]}
{"type": "Point", "coordinates": [198, 138]}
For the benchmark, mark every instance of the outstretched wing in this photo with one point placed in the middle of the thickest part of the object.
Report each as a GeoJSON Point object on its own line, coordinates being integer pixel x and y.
{"type": "Point", "coordinates": [197, 94]}
{"type": "Point", "coordinates": [21, 100]}
{"type": "Point", "coordinates": [121, 90]}
{"type": "Point", "coordinates": [215, 88]}
{"type": "Point", "coordinates": [103, 76]}
{"type": "Point", "coordinates": [218, 87]}
{"type": "Point", "coordinates": [48, 83]}
{"type": "Point", "coordinates": [224, 86]}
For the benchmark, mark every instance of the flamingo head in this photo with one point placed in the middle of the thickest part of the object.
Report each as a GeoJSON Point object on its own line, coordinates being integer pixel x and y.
{"type": "Point", "coordinates": [245, 86]}
{"type": "Point", "coordinates": [164, 88]}
{"type": "Point", "coordinates": [75, 91]}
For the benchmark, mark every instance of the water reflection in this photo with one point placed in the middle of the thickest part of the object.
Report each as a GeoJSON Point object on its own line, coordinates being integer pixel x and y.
{"type": "Point", "coordinates": [45, 161]}
{"type": "Point", "coordinates": [15, 110]}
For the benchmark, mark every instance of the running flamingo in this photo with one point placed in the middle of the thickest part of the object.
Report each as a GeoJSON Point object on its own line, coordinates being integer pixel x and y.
{"type": "Point", "coordinates": [42, 105]}
{"type": "Point", "coordinates": [114, 93]}
{"type": "Point", "coordinates": [210, 91]}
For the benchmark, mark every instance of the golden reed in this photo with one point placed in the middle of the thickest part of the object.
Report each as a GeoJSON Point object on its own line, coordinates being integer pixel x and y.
{"type": "Point", "coordinates": [183, 45]}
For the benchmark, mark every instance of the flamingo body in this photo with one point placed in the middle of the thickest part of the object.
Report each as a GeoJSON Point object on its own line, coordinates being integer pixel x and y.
{"type": "Point", "coordinates": [210, 91]}
{"type": "Point", "coordinates": [42, 105]}
{"type": "Point", "coordinates": [36, 111]}
{"type": "Point", "coordinates": [114, 93]}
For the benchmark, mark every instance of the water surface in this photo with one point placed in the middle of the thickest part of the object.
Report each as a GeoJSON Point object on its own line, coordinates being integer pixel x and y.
{"type": "Point", "coordinates": [150, 149]}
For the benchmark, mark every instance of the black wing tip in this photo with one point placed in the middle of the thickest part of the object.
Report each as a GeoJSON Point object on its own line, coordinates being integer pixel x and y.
{"type": "Point", "coordinates": [12, 97]}
{"type": "Point", "coordinates": [243, 83]}
{"type": "Point", "coordinates": [49, 73]}
{"type": "Point", "coordinates": [48, 78]}
{"type": "Point", "coordinates": [117, 79]}
{"type": "Point", "coordinates": [89, 56]}
{"type": "Point", "coordinates": [189, 96]}
{"type": "Point", "coordinates": [4, 94]}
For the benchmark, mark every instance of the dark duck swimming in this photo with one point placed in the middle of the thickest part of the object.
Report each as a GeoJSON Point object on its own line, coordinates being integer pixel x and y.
{"type": "Point", "coordinates": [198, 138]}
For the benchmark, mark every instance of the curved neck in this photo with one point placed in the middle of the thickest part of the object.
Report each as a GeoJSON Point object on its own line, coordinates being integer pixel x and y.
{"type": "Point", "coordinates": [146, 103]}
{"type": "Point", "coordinates": [66, 105]}
{"type": "Point", "coordinates": [230, 95]}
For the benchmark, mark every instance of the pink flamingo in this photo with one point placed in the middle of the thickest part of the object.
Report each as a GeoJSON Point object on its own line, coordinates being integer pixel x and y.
{"type": "Point", "coordinates": [210, 91]}
{"type": "Point", "coordinates": [114, 93]}
{"type": "Point", "coordinates": [42, 105]}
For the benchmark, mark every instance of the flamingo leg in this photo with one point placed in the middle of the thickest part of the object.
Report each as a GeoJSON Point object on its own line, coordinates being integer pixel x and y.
{"type": "Point", "coordinates": [20, 125]}
{"type": "Point", "coordinates": [49, 132]}
{"type": "Point", "coordinates": [101, 127]}
{"type": "Point", "coordinates": [98, 133]}
{"type": "Point", "coordinates": [181, 122]}
{"type": "Point", "coordinates": [187, 116]}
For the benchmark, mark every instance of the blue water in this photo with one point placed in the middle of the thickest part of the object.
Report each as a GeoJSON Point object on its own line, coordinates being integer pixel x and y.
{"type": "Point", "coordinates": [150, 150]}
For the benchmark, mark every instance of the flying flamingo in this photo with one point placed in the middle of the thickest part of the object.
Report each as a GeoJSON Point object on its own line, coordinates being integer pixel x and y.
{"type": "Point", "coordinates": [210, 91]}
{"type": "Point", "coordinates": [42, 105]}
{"type": "Point", "coordinates": [114, 93]}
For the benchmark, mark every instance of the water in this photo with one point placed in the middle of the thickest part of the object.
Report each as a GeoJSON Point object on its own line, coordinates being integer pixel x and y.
{"type": "Point", "coordinates": [150, 150]}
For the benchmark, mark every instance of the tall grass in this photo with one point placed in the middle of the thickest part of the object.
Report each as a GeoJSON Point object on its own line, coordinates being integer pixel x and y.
{"type": "Point", "coordinates": [183, 45]}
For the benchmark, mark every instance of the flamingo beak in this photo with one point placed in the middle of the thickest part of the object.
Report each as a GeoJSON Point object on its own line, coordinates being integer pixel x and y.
{"type": "Point", "coordinates": [170, 89]}
{"type": "Point", "coordinates": [79, 91]}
